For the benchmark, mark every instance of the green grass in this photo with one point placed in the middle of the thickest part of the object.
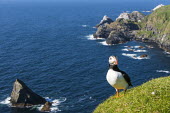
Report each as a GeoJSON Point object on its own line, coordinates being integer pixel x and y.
{"type": "Point", "coordinates": [159, 19]}
{"type": "Point", "coordinates": [140, 99]}
{"type": "Point", "coordinates": [146, 33]}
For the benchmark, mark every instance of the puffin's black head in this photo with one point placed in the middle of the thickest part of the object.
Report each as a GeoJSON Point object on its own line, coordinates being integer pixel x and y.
{"type": "Point", "coordinates": [113, 60]}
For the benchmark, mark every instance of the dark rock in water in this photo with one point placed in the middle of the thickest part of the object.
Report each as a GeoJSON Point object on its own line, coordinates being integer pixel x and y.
{"type": "Point", "coordinates": [144, 55]}
{"type": "Point", "coordinates": [141, 47]}
{"type": "Point", "coordinates": [130, 50]}
{"type": "Point", "coordinates": [46, 107]}
{"type": "Point", "coordinates": [22, 96]}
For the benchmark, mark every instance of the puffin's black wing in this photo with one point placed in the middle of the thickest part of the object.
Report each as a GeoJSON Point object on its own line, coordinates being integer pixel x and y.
{"type": "Point", "coordinates": [127, 78]}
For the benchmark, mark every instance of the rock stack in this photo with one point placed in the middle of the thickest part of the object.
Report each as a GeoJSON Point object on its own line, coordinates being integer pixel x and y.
{"type": "Point", "coordinates": [23, 96]}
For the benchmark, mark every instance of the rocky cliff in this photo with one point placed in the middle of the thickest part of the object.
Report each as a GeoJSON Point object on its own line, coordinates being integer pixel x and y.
{"type": "Point", "coordinates": [121, 30]}
{"type": "Point", "coordinates": [154, 27]}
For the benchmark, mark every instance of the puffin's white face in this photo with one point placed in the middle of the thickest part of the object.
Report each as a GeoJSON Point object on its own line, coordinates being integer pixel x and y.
{"type": "Point", "coordinates": [113, 60]}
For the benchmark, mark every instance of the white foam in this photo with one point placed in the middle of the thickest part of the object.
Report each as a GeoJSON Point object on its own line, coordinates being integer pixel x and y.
{"type": "Point", "coordinates": [104, 43]}
{"type": "Point", "coordinates": [163, 71]}
{"type": "Point", "coordinates": [135, 47]}
{"type": "Point", "coordinates": [84, 25]}
{"type": "Point", "coordinates": [146, 11]}
{"type": "Point", "coordinates": [165, 52]}
{"type": "Point", "coordinates": [54, 108]}
{"type": "Point", "coordinates": [140, 50]}
{"type": "Point", "coordinates": [6, 101]}
{"type": "Point", "coordinates": [134, 56]}
{"type": "Point", "coordinates": [91, 37]}
{"type": "Point", "coordinates": [130, 55]}
{"type": "Point", "coordinates": [134, 50]}
{"type": "Point", "coordinates": [127, 49]}
{"type": "Point", "coordinates": [149, 46]}
{"type": "Point", "coordinates": [55, 103]}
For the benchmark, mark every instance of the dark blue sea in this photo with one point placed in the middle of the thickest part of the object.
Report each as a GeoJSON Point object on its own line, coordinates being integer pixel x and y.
{"type": "Point", "coordinates": [49, 46]}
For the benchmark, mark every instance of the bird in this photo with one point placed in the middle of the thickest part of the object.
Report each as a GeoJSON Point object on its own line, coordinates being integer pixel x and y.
{"type": "Point", "coordinates": [116, 77]}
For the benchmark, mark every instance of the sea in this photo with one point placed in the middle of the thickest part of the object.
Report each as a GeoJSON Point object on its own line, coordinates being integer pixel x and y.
{"type": "Point", "coordinates": [49, 45]}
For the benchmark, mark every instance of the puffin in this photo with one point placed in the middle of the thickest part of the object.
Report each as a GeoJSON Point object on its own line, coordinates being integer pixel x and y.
{"type": "Point", "coordinates": [116, 77]}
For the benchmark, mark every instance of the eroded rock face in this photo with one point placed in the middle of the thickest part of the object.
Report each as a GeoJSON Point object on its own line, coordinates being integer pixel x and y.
{"type": "Point", "coordinates": [121, 30]}
{"type": "Point", "coordinates": [105, 20]}
{"type": "Point", "coordinates": [134, 16]}
{"type": "Point", "coordinates": [23, 96]}
{"type": "Point", "coordinates": [117, 32]}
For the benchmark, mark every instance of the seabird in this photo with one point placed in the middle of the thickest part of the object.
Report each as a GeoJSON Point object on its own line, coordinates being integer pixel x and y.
{"type": "Point", "coordinates": [117, 78]}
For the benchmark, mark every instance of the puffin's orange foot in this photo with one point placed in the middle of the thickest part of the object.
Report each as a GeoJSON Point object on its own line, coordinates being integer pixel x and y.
{"type": "Point", "coordinates": [121, 95]}
{"type": "Point", "coordinates": [115, 97]}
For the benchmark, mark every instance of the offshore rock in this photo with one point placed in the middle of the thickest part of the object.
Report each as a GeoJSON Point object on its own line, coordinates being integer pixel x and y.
{"type": "Point", "coordinates": [23, 96]}
{"type": "Point", "coordinates": [143, 56]}
{"type": "Point", "coordinates": [46, 107]}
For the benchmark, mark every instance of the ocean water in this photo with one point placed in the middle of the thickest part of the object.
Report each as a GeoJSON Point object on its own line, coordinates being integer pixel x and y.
{"type": "Point", "coordinates": [49, 46]}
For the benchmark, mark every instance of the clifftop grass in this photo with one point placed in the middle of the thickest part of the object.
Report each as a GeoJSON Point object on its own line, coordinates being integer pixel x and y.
{"type": "Point", "coordinates": [158, 21]}
{"type": "Point", "coordinates": [151, 97]}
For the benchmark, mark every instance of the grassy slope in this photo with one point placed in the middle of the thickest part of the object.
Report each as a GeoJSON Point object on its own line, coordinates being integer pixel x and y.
{"type": "Point", "coordinates": [140, 99]}
{"type": "Point", "coordinates": [159, 19]}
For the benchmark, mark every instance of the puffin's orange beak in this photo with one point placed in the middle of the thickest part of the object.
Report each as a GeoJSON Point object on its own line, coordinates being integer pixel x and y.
{"type": "Point", "coordinates": [116, 62]}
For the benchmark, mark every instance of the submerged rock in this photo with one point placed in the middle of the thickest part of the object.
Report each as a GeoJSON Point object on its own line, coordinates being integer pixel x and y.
{"type": "Point", "coordinates": [23, 96]}
{"type": "Point", "coordinates": [141, 47]}
{"type": "Point", "coordinates": [143, 56]}
{"type": "Point", "coordinates": [46, 107]}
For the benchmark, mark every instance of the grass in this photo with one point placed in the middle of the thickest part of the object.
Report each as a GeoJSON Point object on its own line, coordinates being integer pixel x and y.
{"type": "Point", "coordinates": [151, 97]}
{"type": "Point", "coordinates": [159, 19]}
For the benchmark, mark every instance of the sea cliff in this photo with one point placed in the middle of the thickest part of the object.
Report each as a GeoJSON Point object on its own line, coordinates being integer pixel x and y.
{"type": "Point", "coordinates": [137, 26]}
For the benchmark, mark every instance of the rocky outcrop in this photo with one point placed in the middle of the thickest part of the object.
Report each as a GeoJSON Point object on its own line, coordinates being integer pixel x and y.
{"type": "Point", "coordinates": [119, 31]}
{"type": "Point", "coordinates": [23, 96]}
{"type": "Point", "coordinates": [134, 16]}
{"type": "Point", "coordinates": [156, 27]}
{"type": "Point", "coordinates": [105, 20]}
{"type": "Point", "coordinates": [46, 107]}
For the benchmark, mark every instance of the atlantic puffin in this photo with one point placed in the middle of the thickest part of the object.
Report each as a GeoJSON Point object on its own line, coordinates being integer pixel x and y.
{"type": "Point", "coordinates": [117, 78]}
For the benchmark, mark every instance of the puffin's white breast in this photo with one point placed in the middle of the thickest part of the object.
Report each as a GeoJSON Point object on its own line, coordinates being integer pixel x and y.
{"type": "Point", "coordinates": [116, 80]}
